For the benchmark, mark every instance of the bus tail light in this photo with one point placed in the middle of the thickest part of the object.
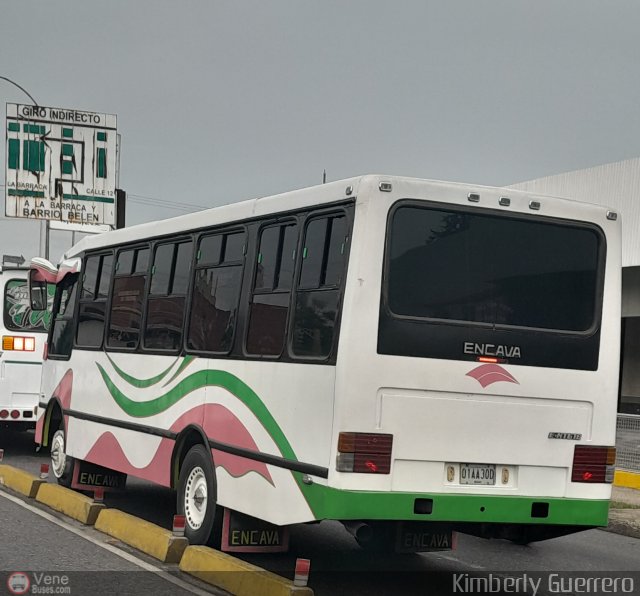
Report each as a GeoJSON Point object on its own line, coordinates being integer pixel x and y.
{"type": "Point", "coordinates": [364, 453]}
{"type": "Point", "coordinates": [15, 414]}
{"type": "Point", "coordinates": [18, 343]}
{"type": "Point", "coordinates": [4, 414]}
{"type": "Point", "coordinates": [593, 464]}
{"type": "Point", "coordinates": [45, 351]}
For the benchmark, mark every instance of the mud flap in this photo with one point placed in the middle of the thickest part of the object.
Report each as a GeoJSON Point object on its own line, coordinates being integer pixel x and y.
{"type": "Point", "coordinates": [245, 534]}
{"type": "Point", "coordinates": [88, 476]}
{"type": "Point", "coordinates": [420, 537]}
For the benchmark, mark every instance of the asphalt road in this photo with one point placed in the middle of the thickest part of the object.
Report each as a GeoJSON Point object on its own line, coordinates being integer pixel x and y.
{"type": "Point", "coordinates": [42, 550]}
{"type": "Point", "coordinates": [339, 566]}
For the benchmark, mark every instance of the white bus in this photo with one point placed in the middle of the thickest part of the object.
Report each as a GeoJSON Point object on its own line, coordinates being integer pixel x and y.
{"type": "Point", "coordinates": [24, 333]}
{"type": "Point", "coordinates": [383, 351]}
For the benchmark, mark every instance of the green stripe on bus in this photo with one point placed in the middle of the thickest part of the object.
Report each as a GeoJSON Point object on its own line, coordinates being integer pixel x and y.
{"type": "Point", "coordinates": [186, 362]}
{"type": "Point", "coordinates": [22, 362]}
{"type": "Point", "coordinates": [144, 383]}
{"type": "Point", "coordinates": [331, 503]}
{"type": "Point", "coordinates": [199, 380]}
{"type": "Point", "coordinates": [141, 383]}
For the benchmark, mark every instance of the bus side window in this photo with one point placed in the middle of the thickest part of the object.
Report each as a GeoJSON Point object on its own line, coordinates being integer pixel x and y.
{"type": "Point", "coordinates": [216, 292]}
{"type": "Point", "coordinates": [93, 300]}
{"type": "Point", "coordinates": [272, 289]}
{"type": "Point", "coordinates": [167, 296]}
{"type": "Point", "coordinates": [125, 318]}
{"type": "Point", "coordinates": [62, 326]}
{"type": "Point", "coordinates": [318, 294]}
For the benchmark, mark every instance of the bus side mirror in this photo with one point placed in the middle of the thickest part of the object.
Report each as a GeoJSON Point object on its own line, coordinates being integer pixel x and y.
{"type": "Point", "coordinates": [37, 291]}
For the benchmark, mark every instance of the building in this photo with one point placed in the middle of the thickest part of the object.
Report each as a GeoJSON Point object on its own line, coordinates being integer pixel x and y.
{"type": "Point", "coordinates": [616, 185]}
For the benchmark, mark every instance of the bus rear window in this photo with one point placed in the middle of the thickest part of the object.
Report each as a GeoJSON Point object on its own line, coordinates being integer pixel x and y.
{"type": "Point", "coordinates": [452, 265]}
{"type": "Point", "coordinates": [17, 312]}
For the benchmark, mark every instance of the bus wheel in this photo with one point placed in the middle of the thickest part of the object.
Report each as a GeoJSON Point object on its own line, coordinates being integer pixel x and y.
{"type": "Point", "coordinates": [197, 495]}
{"type": "Point", "coordinates": [61, 463]}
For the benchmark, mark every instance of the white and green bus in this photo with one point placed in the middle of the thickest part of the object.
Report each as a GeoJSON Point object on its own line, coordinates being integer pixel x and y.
{"type": "Point", "coordinates": [24, 333]}
{"type": "Point", "coordinates": [383, 351]}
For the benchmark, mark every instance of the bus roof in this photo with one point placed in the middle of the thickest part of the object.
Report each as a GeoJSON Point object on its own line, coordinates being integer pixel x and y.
{"type": "Point", "coordinates": [331, 192]}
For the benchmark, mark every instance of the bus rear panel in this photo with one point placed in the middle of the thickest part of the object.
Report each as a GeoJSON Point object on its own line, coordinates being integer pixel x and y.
{"type": "Point", "coordinates": [23, 335]}
{"type": "Point", "coordinates": [478, 364]}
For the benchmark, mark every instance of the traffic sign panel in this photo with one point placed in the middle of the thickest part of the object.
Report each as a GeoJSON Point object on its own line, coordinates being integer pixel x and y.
{"type": "Point", "coordinates": [61, 164]}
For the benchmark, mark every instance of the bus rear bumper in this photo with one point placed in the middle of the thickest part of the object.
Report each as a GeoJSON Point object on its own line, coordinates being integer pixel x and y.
{"type": "Point", "coordinates": [329, 503]}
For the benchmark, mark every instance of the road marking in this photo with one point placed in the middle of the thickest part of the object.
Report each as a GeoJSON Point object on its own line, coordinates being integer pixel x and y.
{"type": "Point", "coordinates": [113, 549]}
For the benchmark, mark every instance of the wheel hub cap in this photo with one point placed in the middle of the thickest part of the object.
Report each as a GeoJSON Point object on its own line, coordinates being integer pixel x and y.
{"type": "Point", "coordinates": [58, 457]}
{"type": "Point", "coordinates": [195, 498]}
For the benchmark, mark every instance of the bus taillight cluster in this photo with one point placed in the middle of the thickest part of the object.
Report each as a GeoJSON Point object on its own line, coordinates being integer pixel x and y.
{"type": "Point", "coordinates": [18, 343]}
{"type": "Point", "coordinates": [364, 453]}
{"type": "Point", "coordinates": [15, 414]}
{"type": "Point", "coordinates": [593, 464]}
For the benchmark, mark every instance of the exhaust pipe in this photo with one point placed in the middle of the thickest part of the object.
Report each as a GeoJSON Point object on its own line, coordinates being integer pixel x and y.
{"type": "Point", "coordinates": [361, 531]}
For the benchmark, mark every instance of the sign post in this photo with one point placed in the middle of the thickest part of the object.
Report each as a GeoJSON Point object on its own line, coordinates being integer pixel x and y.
{"type": "Point", "coordinates": [61, 165]}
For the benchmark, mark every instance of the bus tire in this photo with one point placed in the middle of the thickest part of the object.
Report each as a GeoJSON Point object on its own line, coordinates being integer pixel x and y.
{"type": "Point", "coordinates": [197, 495]}
{"type": "Point", "coordinates": [61, 463]}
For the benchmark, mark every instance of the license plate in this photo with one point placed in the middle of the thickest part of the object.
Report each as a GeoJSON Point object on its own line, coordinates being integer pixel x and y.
{"type": "Point", "coordinates": [483, 474]}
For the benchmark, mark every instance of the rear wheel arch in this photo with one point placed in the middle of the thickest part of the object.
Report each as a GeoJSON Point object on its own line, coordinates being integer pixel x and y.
{"type": "Point", "coordinates": [188, 437]}
{"type": "Point", "coordinates": [53, 419]}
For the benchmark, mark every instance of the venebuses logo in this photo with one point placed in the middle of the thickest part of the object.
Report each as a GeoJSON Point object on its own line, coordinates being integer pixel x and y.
{"type": "Point", "coordinates": [18, 583]}
{"type": "Point", "coordinates": [39, 582]}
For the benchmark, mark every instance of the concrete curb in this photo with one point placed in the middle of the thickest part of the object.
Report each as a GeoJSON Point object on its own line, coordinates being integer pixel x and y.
{"type": "Point", "coordinates": [145, 536]}
{"type": "Point", "coordinates": [69, 502]}
{"type": "Point", "coordinates": [627, 479]}
{"type": "Point", "coordinates": [236, 576]}
{"type": "Point", "coordinates": [20, 481]}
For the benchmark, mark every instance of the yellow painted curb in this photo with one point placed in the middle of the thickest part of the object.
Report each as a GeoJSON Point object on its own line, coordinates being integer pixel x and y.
{"type": "Point", "coordinates": [69, 502]}
{"type": "Point", "coordinates": [143, 535]}
{"type": "Point", "coordinates": [236, 576]}
{"type": "Point", "coordinates": [627, 479]}
{"type": "Point", "coordinates": [19, 480]}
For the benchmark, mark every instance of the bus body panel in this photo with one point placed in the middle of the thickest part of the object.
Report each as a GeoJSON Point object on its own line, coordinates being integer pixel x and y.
{"type": "Point", "coordinates": [294, 416]}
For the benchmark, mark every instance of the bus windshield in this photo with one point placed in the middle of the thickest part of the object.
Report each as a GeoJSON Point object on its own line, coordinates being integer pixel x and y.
{"type": "Point", "coordinates": [448, 264]}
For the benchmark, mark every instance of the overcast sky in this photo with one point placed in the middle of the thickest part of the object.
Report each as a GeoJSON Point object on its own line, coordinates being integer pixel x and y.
{"type": "Point", "coordinates": [223, 101]}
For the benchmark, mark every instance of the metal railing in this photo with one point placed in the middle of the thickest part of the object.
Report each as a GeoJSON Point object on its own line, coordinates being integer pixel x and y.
{"type": "Point", "coordinates": [628, 443]}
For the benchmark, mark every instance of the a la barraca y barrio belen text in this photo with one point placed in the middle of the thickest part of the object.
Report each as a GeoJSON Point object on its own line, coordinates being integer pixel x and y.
{"type": "Point", "coordinates": [75, 212]}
